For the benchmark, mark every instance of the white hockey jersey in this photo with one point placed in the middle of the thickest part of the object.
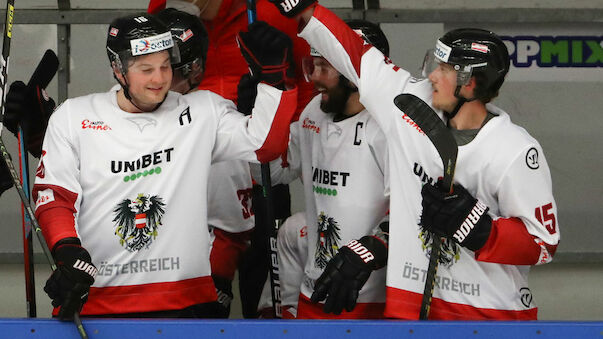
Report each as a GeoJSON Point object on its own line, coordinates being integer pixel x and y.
{"type": "Point", "coordinates": [229, 196]}
{"type": "Point", "coordinates": [344, 171]}
{"type": "Point", "coordinates": [503, 167]}
{"type": "Point", "coordinates": [137, 185]}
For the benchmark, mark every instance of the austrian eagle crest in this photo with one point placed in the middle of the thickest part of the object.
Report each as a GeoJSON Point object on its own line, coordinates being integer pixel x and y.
{"type": "Point", "coordinates": [450, 252]}
{"type": "Point", "coordinates": [328, 237]}
{"type": "Point", "coordinates": [137, 220]}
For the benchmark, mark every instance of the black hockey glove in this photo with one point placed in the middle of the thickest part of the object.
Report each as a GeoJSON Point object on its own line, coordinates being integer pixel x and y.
{"type": "Point", "coordinates": [29, 107]}
{"type": "Point", "coordinates": [291, 8]}
{"type": "Point", "coordinates": [458, 216]}
{"type": "Point", "coordinates": [6, 180]}
{"type": "Point", "coordinates": [268, 53]}
{"type": "Point", "coordinates": [224, 291]}
{"type": "Point", "coordinates": [69, 285]}
{"type": "Point", "coordinates": [347, 272]}
{"type": "Point", "coordinates": [247, 90]}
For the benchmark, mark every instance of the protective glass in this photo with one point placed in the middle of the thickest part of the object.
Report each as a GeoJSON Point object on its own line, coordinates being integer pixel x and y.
{"type": "Point", "coordinates": [318, 68]}
{"type": "Point", "coordinates": [431, 62]}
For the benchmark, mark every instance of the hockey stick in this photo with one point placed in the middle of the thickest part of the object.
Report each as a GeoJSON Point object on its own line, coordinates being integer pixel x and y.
{"type": "Point", "coordinates": [8, 26]}
{"type": "Point", "coordinates": [42, 75]}
{"type": "Point", "coordinates": [275, 288]}
{"type": "Point", "coordinates": [431, 124]}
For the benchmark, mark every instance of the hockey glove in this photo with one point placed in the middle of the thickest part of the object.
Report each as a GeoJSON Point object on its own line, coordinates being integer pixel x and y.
{"type": "Point", "coordinates": [224, 291]}
{"type": "Point", "coordinates": [268, 53]}
{"type": "Point", "coordinates": [291, 8]}
{"type": "Point", "coordinates": [347, 272]}
{"type": "Point", "coordinates": [458, 216]}
{"type": "Point", "coordinates": [69, 284]}
{"type": "Point", "coordinates": [247, 90]}
{"type": "Point", "coordinates": [29, 107]}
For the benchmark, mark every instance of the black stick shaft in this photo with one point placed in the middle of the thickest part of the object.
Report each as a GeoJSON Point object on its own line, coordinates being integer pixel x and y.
{"type": "Point", "coordinates": [267, 190]}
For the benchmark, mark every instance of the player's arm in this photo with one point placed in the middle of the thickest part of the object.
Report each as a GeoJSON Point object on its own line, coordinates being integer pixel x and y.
{"type": "Point", "coordinates": [268, 53]}
{"type": "Point", "coordinates": [527, 230]}
{"type": "Point", "coordinates": [56, 192]}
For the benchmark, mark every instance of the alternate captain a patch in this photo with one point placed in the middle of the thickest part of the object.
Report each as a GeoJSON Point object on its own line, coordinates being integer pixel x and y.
{"type": "Point", "coordinates": [137, 221]}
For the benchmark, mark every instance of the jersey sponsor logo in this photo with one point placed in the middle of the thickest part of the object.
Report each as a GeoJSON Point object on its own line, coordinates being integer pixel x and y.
{"type": "Point", "coordinates": [526, 296]}
{"type": "Point", "coordinates": [555, 51]}
{"type": "Point", "coordinates": [469, 223]}
{"type": "Point", "coordinates": [328, 239]}
{"type": "Point", "coordinates": [113, 31]}
{"type": "Point", "coordinates": [142, 122]}
{"type": "Point", "coordinates": [95, 125]}
{"type": "Point", "coordinates": [41, 171]}
{"type": "Point", "coordinates": [44, 197]}
{"type": "Point", "coordinates": [532, 158]}
{"type": "Point", "coordinates": [108, 269]}
{"type": "Point", "coordinates": [152, 44]}
{"type": "Point", "coordinates": [303, 232]}
{"type": "Point", "coordinates": [310, 125]}
{"type": "Point", "coordinates": [137, 221]}
{"type": "Point", "coordinates": [422, 174]}
{"type": "Point", "coordinates": [155, 158]}
{"type": "Point", "coordinates": [185, 114]}
{"type": "Point", "coordinates": [326, 177]}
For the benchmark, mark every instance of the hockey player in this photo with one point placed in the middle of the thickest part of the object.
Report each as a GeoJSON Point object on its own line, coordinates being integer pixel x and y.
{"type": "Point", "coordinates": [340, 154]}
{"type": "Point", "coordinates": [503, 185]}
{"type": "Point", "coordinates": [122, 183]}
{"type": "Point", "coordinates": [225, 70]}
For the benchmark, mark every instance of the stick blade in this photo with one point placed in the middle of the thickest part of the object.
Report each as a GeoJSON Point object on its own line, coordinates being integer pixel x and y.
{"type": "Point", "coordinates": [435, 129]}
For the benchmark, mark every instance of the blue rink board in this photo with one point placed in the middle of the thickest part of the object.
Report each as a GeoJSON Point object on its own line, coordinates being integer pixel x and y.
{"type": "Point", "coordinates": [266, 329]}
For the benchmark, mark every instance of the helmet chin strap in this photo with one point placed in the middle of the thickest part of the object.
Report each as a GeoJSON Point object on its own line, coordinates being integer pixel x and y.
{"type": "Point", "coordinates": [461, 101]}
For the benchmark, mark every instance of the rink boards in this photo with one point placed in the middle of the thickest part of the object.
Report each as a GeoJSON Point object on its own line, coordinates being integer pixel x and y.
{"type": "Point", "coordinates": [265, 329]}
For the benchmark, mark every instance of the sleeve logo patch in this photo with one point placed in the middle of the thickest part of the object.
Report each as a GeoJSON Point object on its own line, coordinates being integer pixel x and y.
{"type": "Point", "coordinates": [44, 197]}
{"type": "Point", "coordinates": [532, 158]}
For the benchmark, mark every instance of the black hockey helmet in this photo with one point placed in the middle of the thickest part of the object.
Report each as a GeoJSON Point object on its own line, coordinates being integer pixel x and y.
{"type": "Point", "coordinates": [135, 35]}
{"type": "Point", "coordinates": [189, 34]}
{"type": "Point", "coordinates": [475, 52]}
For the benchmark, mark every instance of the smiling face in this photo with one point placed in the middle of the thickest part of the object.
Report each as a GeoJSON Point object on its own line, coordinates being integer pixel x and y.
{"type": "Point", "coordinates": [148, 79]}
{"type": "Point", "coordinates": [328, 82]}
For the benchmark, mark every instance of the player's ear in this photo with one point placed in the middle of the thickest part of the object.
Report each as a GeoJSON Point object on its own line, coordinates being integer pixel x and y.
{"type": "Point", "coordinates": [470, 87]}
{"type": "Point", "coordinates": [117, 72]}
